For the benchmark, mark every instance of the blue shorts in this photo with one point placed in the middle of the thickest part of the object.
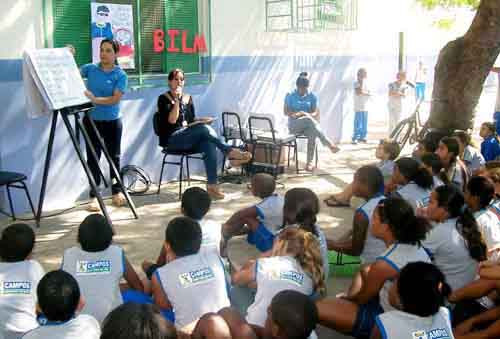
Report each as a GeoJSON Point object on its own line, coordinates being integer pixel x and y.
{"type": "Point", "coordinates": [262, 238]}
{"type": "Point", "coordinates": [133, 296]}
{"type": "Point", "coordinates": [365, 319]}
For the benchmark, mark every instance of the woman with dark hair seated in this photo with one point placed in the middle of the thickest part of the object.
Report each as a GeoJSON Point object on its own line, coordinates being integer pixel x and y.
{"type": "Point", "coordinates": [301, 107]}
{"type": "Point", "coordinates": [179, 130]}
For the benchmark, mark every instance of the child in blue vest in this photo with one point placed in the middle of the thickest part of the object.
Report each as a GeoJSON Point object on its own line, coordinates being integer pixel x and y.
{"type": "Point", "coordinates": [490, 147]}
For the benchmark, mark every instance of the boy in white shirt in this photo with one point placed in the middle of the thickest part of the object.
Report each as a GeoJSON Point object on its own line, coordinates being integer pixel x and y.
{"type": "Point", "coordinates": [263, 220]}
{"type": "Point", "coordinates": [19, 277]}
{"type": "Point", "coordinates": [361, 96]}
{"type": "Point", "coordinates": [191, 283]}
{"type": "Point", "coordinates": [59, 300]}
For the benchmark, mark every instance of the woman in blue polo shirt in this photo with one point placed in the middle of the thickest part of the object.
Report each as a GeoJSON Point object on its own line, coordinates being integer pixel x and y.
{"type": "Point", "coordinates": [106, 83]}
{"type": "Point", "coordinates": [301, 107]}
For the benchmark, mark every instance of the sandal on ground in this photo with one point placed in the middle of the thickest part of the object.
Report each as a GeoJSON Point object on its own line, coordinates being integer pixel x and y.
{"type": "Point", "coordinates": [334, 148]}
{"type": "Point", "coordinates": [215, 193]}
{"type": "Point", "coordinates": [310, 168]}
{"type": "Point", "coordinates": [333, 202]}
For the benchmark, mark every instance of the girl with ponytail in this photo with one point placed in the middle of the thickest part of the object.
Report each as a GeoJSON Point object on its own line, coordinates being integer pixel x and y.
{"type": "Point", "coordinates": [300, 209]}
{"type": "Point", "coordinates": [414, 181]}
{"type": "Point", "coordinates": [422, 291]}
{"type": "Point", "coordinates": [295, 264]}
{"type": "Point", "coordinates": [395, 223]}
{"type": "Point", "coordinates": [454, 241]}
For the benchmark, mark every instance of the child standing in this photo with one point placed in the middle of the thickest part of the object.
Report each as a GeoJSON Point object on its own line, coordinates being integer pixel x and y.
{"type": "Point", "coordinates": [397, 94]}
{"type": "Point", "coordinates": [263, 219]}
{"type": "Point", "coordinates": [19, 278]}
{"type": "Point", "coordinates": [361, 96]}
{"type": "Point", "coordinates": [191, 283]}
{"type": "Point", "coordinates": [422, 291]}
{"type": "Point", "coordinates": [369, 185]}
{"type": "Point", "coordinates": [98, 266]}
{"type": "Point", "coordinates": [490, 147]}
{"type": "Point", "coordinates": [59, 300]}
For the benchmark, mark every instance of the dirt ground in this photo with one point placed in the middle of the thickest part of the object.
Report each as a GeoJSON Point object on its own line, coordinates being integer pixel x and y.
{"type": "Point", "coordinates": [142, 238]}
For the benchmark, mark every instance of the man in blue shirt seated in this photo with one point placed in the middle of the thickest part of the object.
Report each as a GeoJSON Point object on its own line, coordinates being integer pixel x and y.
{"type": "Point", "coordinates": [301, 107]}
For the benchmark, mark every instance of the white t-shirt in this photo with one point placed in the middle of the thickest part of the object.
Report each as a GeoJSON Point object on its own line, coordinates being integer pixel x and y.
{"type": "Point", "coordinates": [360, 101]}
{"type": "Point", "coordinates": [497, 105]}
{"type": "Point", "coordinates": [415, 195]}
{"type": "Point", "coordinates": [396, 103]}
{"type": "Point", "coordinates": [273, 275]}
{"type": "Point", "coordinates": [373, 247]}
{"type": "Point", "coordinates": [398, 256]}
{"type": "Point", "coordinates": [399, 325]}
{"type": "Point", "coordinates": [457, 174]}
{"type": "Point", "coordinates": [436, 181]}
{"type": "Point", "coordinates": [473, 159]}
{"type": "Point", "coordinates": [98, 275]}
{"type": "Point", "coordinates": [210, 236]}
{"type": "Point", "coordinates": [450, 253]}
{"type": "Point", "coordinates": [386, 167]}
{"type": "Point", "coordinates": [270, 212]}
{"type": "Point", "coordinates": [489, 226]}
{"type": "Point", "coordinates": [18, 284]}
{"type": "Point", "coordinates": [194, 285]}
{"type": "Point", "coordinates": [83, 326]}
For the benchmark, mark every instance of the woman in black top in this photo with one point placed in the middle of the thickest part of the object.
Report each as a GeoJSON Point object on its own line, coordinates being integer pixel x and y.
{"type": "Point", "coordinates": [180, 130]}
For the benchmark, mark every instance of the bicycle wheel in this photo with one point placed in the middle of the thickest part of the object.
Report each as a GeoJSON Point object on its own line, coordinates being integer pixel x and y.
{"type": "Point", "coordinates": [402, 132]}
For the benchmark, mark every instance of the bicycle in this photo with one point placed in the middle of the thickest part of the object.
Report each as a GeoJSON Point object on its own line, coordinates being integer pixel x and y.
{"type": "Point", "coordinates": [410, 129]}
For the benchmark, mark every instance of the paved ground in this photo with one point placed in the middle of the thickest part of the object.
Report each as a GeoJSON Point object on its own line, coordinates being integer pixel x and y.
{"type": "Point", "coordinates": [142, 238]}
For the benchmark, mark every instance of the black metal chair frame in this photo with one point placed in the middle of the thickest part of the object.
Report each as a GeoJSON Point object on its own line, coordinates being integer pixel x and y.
{"type": "Point", "coordinates": [184, 156]}
{"type": "Point", "coordinates": [270, 144]}
{"type": "Point", "coordinates": [12, 184]}
{"type": "Point", "coordinates": [227, 138]}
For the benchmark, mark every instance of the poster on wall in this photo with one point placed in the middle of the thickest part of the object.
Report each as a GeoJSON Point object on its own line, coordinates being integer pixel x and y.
{"type": "Point", "coordinates": [112, 21]}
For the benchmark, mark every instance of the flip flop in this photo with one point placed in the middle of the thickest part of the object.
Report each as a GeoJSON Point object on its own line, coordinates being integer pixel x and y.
{"type": "Point", "coordinates": [332, 202]}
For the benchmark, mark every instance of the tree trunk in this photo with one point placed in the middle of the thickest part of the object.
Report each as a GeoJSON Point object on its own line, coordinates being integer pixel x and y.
{"type": "Point", "coordinates": [462, 67]}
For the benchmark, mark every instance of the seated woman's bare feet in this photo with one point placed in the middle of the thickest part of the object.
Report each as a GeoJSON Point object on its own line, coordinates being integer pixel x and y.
{"type": "Point", "coordinates": [214, 192]}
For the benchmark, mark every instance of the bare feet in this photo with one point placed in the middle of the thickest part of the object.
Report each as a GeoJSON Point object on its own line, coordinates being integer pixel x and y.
{"type": "Point", "coordinates": [334, 148]}
{"type": "Point", "coordinates": [93, 205]}
{"type": "Point", "coordinates": [118, 199]}
{"type": "Point", "coordinates": [310, 167]}
{"type": "Point", "coordinates": [214, 192]}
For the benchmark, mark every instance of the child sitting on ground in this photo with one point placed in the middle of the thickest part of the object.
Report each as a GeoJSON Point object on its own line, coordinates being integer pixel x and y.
{"type": "Point", "coordinates": [263, 219]}
{"type": "Point", "coordinates": [433, 165]}
{"type": "Point", "coordinates": [19, 278]}
{"type": "Point", "coordinates": [387, 151]}
{"type": "Point", "coordinates": [295, 263]}
{"type": "Point", "coordinates": [490, 147]}
{"type": "Point", "coordinates": [301, 209]}
{"type": "Point", "coordinates": [190, 283]}
{"type": "Point", "coordinates": [195, 204]}
{"type": "Point", "coordinates": [137, 321]}
{"type": "Point", "coordinates": [59, 300]}
{"type": "Point", "coordinates": [290, 315]}
{"type": "Point", "coordinates": [454, 171]}
{"type": "Point", "coordinates": [478, 197]}
{"type": "Point", "coordinates": [98, 266]}
{"type": "Point", "coordinates": [470, 156]}
{"type": "Point", "coordinates": [369, 185]}
{"type": "Point", "coordinates": [422, 292]}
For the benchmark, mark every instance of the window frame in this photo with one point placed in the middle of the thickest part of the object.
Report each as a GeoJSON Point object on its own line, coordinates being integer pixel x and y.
{"type": "Point", "coordinates": [139, 80]}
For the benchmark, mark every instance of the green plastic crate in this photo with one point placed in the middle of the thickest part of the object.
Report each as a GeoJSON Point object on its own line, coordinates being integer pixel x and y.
{"type": "Point", "coordinates": [350, 265]}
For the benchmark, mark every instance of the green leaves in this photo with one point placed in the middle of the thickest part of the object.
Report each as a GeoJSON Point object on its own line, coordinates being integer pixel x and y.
{"type": "Point", "coordinates": [431, 4]}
